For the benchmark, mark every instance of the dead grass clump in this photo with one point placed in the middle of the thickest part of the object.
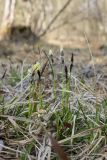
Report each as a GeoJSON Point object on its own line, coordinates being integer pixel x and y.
{"type": "Point", "coordinates": [50, 113]}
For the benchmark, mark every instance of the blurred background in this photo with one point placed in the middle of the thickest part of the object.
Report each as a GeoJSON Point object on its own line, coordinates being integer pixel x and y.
{"type": "Point", "coordinates": [65, 23]}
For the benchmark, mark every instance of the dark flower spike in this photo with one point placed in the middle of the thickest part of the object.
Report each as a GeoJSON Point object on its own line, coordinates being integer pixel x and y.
{"type": "Point", "coordinates": [72, 60]}
{"type": "Point", "coordinates": [62, 55]}
{"type": "Point", "coordinates": [39, 74]}
{"type": "Point", "coordinates": [51, 56]}
{"type": "Point", "coordinates": [66, 73]}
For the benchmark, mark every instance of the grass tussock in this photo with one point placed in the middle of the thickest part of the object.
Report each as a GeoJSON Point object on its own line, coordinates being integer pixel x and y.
{"type": "Point", "coordinates": [48, 112]}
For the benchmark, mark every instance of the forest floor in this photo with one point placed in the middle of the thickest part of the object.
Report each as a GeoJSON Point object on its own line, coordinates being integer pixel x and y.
{"type": "Point", "coordinates": [53, 103]}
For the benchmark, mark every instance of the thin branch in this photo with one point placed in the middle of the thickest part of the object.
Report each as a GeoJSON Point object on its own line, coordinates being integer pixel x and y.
{"type": "Point", "coordinates": [55, 18]}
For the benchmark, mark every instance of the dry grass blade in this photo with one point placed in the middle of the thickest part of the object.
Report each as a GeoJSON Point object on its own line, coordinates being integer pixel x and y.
{"type": "Point", "coordinates": [13, 122]}
{"type": "Point", "coordinates": [50, 63]}
{"type": "Point", "coordinates": [58, 149]}
{"type": "Point", "coordinates": [81, 134]}
{"type": "Point", "coordinates": [1, 144]}
{"type": "Point", "coordinates": [1, 159]}
{"type": "Point", "coordinates": [43, 68]}
{"type": "Point", "coordinates": [4, 74]}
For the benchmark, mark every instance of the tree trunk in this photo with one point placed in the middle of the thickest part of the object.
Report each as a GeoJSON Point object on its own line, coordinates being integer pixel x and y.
{"type": "Point", "coordinates": [8, 18]}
